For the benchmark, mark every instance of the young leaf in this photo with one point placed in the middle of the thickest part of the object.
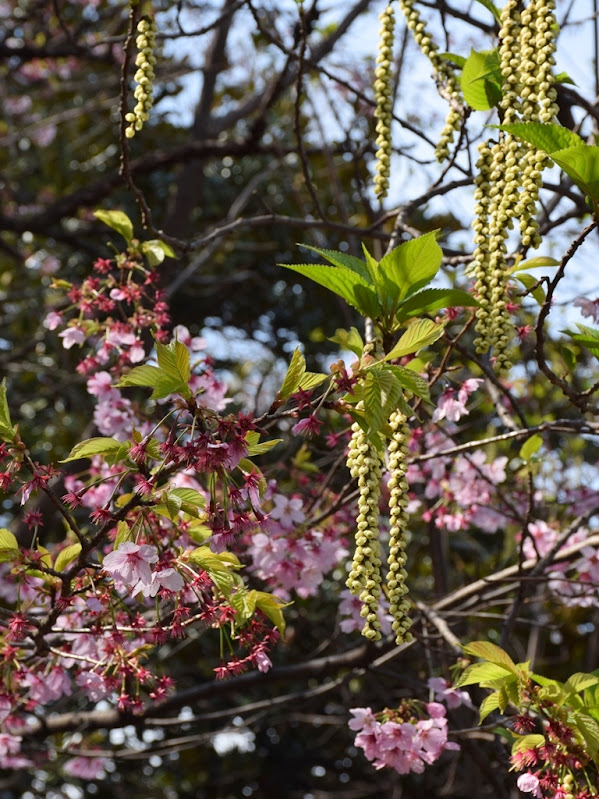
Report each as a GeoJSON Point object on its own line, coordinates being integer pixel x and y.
{"type": "Point", "coordinates": [418, 335]}
{"type": "Point", "coordinates": [582, 165]}
{"type": "Point", "coordinates": [349, 340]}
{"type": "Point", "coordinates": [430, 300]}
{"type": "Point", "coordinates": [533, 286]}
{"type": "Point", "coordinates": [8, 540]}
{"type": "Point", "coordinates": [295, 372]}
{"type": "Point", "coordinates": [66, 556]}
{"type": "Point", "coordinates": [589, 729]}
{"type": "Point", "coordinates": [7, 431]}
{"type": "Point", "coordinates": [411, 381]}
{"type": "Point", "coordinates": [312, 379]}
{"type": "Point", "coordinates": [156, 251]}
{"type": "Point", "coordinates": [272, 607]}
{"type": "Point", "coordinates": [343, 259]}
{"type": "Point", "coordinates": [530, 447]}
{"type": "Point", "coordinates": [481, 80]}
{"type": "Point", "coordinates": [257, 448]}
{"type": "Point", "coordinates": [579, 681]}
{"type": "Point", "coordinates": [118, 221]}
{"type": "Point", "coordinates": [491, 652]}
{"type": "Point", "coordinates": [543, 136]}
{"type": "Point", "coordinates": [174, 360]}
{"type": "Point", "coordinates": [454, 58]}
{"type": "Point", "coordinates": [93, 446]}
{"type": "Point", "coordinates": [534, 263]}
{"type": "Point", "coordinates": [123, 533]}
{"type": "Point", "coordinates": [488, 705]}
{"type": "Point", "coordinates": [527, 742]}
{"type": "Point", "coordinates": [484, 673]}
{"type": "Point", "coordinates": [353, 288]}
{"type": "Point", "coordinates": [413, 264]}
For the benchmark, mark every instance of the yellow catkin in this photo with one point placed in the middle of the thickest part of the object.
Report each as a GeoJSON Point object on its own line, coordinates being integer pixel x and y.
{"type": "Point", "coordinates": [384, 102]}
{"type": "Point", "coordinates": [146, 45]}
{"type": "Point", "coordinates": [447, 81]}
{"type": "Point", "coordinates": [398, 500]}
{"type": "Point", "coordinates": [365, 576]}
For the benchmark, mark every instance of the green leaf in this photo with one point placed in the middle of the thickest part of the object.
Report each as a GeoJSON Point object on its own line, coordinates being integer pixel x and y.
{"type": "Point", "coordinates": [353, 288]}
{"type": "Point", "coordinates": [7, 431]}
{"type": "Point", "coordinates": [534, 263]}
{"type": "Point", "coordinates": [579, 681]}
{"type": "Point", "coordinates": [548, 138]}
{"type": "Point", "coordinates": [530, 447]}
{"type": "Point", "coordinates": [123, 533]}
{"type": "Point", "coordinates": [589, 730]}
{"type": "Point", "coordinates": [349, 340]}
{"type": "Point", "coordinates": [156, 251]}
{"type": "Point", "coordinates": [295, 372]}
{"type": "Point", "coordinates": [458, 60]}
{"type": "Point", "coordinates": [118, 221]}
{"type": "Point", "coordinates": [481, 80]}
{"type": "Point", "coordinates": [255, 447]}
{"type": "Point", "coordinates": [66, 556]}
{"type": "Point", "coordinates": [563, 77]}
{"type": "Point", "coordinates": [218, 567]}
{"type": "Point", "coordinates": [174, 360]}
{"type": "Point", "coordinates": [381, 394]}
{"type": "Point", "coordinates": [411, 381]}
{"type": "Point", "coordinates": [484, 673]}
{"type": "Point", "coordinates": [146, 376]}
{"type": "Point", "coordinates": [7, 540]}
{"type": "Point", "coordinates": [430, 300]}
{"type": "Point", "coordinates": [343, 259]}
{"type": "Point", "coordinates": [418, 335]}
{"type": "Point", "coordinates": [582, 165]}
{"type": "Point", "coordinates": [412, 265]}
{"type": "Point", "coordinates": [527, 742]}
{"type": "Point", "coordinates": [491, 652]}
{"type": "Point", "coordinates": [532, 284]}
{"type": "Point", "coordinates": [488, 705]}
{"type": "Point", "coordinates": [93, 446]}
{"type": "Point", "coordinates": [492, 8]}
{"type": "Point", "coordinates": [312, 379]}
{"type": "Point", "coordinates": [272, 607]}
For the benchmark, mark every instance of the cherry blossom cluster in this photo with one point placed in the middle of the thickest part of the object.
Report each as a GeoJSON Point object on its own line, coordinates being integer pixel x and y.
{"type": "Point", "coordinates": [407, 739]}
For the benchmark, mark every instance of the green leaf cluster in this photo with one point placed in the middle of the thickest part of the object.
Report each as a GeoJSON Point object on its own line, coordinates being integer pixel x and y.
{"type": "Point", "coordinates": [171, 376]}
{"type": "Point", "coordinates": [388, 291]}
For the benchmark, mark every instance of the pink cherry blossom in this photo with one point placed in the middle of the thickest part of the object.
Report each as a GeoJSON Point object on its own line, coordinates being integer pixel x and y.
{"type": "Point", "coordinates": [71, 336]}
{"type": "Point", "coordinates": [529, 784]}
{"type": "Point", "coordinates": [130, 563]}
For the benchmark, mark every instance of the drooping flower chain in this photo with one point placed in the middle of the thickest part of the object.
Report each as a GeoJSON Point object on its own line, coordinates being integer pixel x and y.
{"type": "Point", "coordinates": [383, 110]}
{"type": "Point", "coordinates": [398, 501]}
{"type": "Point", "coordinates": [146, 44]}
{"type": "Point", "coordinates": [508, 182]}
{"type": "Point", "coordinates": [364, 578]}
{"type": "Point", "coordinates": [445, 76]}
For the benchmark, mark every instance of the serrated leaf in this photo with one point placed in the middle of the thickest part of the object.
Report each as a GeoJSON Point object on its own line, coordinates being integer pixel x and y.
{"type": "Point", "coordinates": [582, 165]}
{"type": "Point", "coordinates": [482, 80]}
{"type": "Point", "coordinates": [589, 730]}
{"type": "Point", "coordinates": [118, 221]}
{"type": "Point", "coordinates": [93, 446]}
{"type": "Point", "coordinates": [218, 567]}
{"type": "Point", "coordinates": [381, 394]}
{"type": "Point", "coordinates": [312, 379]}
{"type": "Point", "coordinates": [7, 431]}
{"type": "Point", "coordinates": [579, 681]}
{"type": "Point", "coordinates": [123, 533]}
{"type": "Point", "coordinates": [412, 265]}
{"type": "Point", "coordinates": [173, 359]}
{"type": "Point", "coordinates": [530, 447]}
{"type": "Point", "coordinates": [66, 556]}
{"type": "Point", "coordinates": [488, 705]}
{"type": "Point", "coordinates": [349, 340]}
{"type": "Point", "coordinates": [532, 284]}
{"type": "Point", "coordinates": [343, 259]}
{"type": "Point", "coordinates": [527, 742]}
{"type": "Point", "coordinates": [295, 372]}
{"type": "Point", "coordinates": [189, 497]}
{"type": "Point", "coordinates": [272, 607]}
{"type": "Point", "coordinates": [8, 540]}
{"type": "Point", "coordinates": [534, 263]}
{"type": "Point", "coordinates": [491, 652]}
{"type": "Point", "coordinates": [430, 300]}
{"type": "Point", "coordinates": [411, 381]}
{"type": "Point", "coordinates": [458, 60]}
{"type": "Point", "coordinates": [546, 137]}
{"type": "Point", "coordinates": [484, 673]}
{"type": "Point", "coordinates": [145, 376]}
{"type": "Point", "coordinates": [351, 287]}
{"type": "Point", "coordinates": [418, 335]}
{"type": "Point", "coordinates": [257, 447]}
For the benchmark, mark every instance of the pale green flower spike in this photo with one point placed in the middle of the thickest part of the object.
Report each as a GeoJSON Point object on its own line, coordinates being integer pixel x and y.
{"type": "Point", "coordinates": [146, 44]}
{"type": "Point", "coordinates": [383, 110]}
